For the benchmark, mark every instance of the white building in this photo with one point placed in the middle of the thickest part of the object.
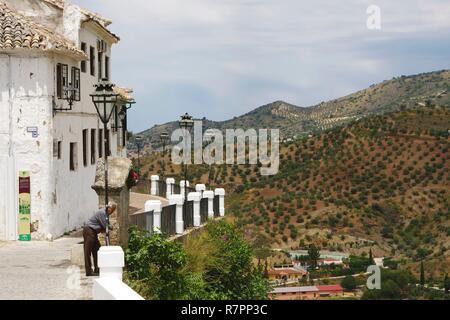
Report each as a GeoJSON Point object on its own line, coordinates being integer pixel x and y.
{"type": "Point", "coordinates": [46, 45]}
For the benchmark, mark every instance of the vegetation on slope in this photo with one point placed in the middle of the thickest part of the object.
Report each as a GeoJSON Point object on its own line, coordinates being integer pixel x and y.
{"type": "Point", "coordinates": [216, 265]}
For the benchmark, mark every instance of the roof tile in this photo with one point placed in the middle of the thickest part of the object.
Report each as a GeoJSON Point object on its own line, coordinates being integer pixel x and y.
{"type": "Point", "coordinates": [18, 31]}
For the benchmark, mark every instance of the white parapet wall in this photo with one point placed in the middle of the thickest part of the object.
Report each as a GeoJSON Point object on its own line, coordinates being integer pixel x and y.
{"type": "Point", "coordinates": [210, 196]}
{"type": "Point", "coordinates": [110, 286]}
{"type": "Point", "coordinates": [154, 185]}
{"type": "Point", "coordinates": [178, 200]}
{"type": "Point", "coordinates": [113, 289]}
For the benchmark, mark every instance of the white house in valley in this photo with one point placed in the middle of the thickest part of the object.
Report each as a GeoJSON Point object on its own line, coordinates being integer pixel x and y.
{"type": "Point", "coordinates": [46, 46]}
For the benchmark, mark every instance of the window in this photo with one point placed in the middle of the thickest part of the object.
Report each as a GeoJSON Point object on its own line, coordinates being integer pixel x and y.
{"type": "Point", "coordinates": [85, 140]}
{"type": "Point", "coordinates": [56, 149]}
{"type": "Point", "coordinates": [100, 64]}
{"type": "Point", "coordinates": [107, 67]}
{"type": "Point", "coordinates": [92, 60]}
{"type": "Point", "coordinates": [59, 80]}
{"type": "Point", "coordinates": [59, 150]}
{"type": "Point", "coordinates": [76, 83]}
{"type": "Point", "coordinates": [100, 143]}
{"type": "Point", "coordinates": [62, 79]}
{"type": "Point", "coordinates": [73, 156]}
{"type": "Point", "coordinates": [83, 63]}
{"type": "Point", "coordinates": [93, 145]}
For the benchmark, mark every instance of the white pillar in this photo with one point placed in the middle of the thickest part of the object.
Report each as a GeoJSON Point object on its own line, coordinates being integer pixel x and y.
{"type": "Point", "coordinates": [111, 261]}
{"type": "Point", "coordinates": [221, 193]}
{"type": "Point", "coordinates": [200, 188]}
{"type": "Point", "coordinates": [154, 185]}
{"type": "Point", "coordinates": [196, 197]}
{"type": "Point", "coordinates": [156, 207]}
{"type": "Point", "coordinates": [210, 195]}
{"type": "Point", "coordinates": [169, 182]}
{"type": "Point", "coordinates": [183, 184]}
{"type": "Point", "coordinates": [177, 199]}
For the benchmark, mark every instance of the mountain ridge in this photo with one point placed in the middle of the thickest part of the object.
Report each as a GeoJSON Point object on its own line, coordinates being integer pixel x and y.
{"type": "Point", "coordinates": [390, 95]}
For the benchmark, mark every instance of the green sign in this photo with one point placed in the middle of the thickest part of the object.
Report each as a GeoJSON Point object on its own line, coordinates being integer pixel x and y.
{"type": "Point", "coordinates": [24, 206]}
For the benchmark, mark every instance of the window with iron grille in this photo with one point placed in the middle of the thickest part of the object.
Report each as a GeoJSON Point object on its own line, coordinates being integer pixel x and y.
{"type": "Point", "coordinates": [83, 63]}
{"type": "Point", "coordinates": [93, 146]}
{"type": "Point", "coordinates": [100, 64]}
{"type": "Point", "coordinates": [62, 79]}
{"type": "Point", "coordinates": [107, 67]}
{"type": "Point", "coordinates": [73, 156]}
{"type": "Point", "coordinates": [85, 147]}
{"type": "Point", "coordinates": [92, 60]}
{"type": "Point", "coordinates": [76, 83]}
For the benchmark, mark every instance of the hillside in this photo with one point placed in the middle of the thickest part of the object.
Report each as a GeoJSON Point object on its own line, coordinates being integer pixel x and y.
{"type": "Point", "coordinates": [382, 182]}
{"type": "Point", "coordinates": [391, 95]}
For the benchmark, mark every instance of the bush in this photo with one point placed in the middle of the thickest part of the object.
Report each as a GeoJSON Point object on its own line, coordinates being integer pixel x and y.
{"type": "Point", "coordinates": [349, 283]}
{"type": "Point", "coordinates": [218, 265]}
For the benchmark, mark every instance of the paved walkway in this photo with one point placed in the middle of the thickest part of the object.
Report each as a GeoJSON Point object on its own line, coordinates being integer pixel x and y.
{"type": "Point", "coordinates": [138, 200]}
{"type": "Point", "coordinates": [40, 270]}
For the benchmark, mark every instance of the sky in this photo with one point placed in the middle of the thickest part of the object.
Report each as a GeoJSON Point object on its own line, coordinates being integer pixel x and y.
{"type": "Point", "coordinates": [223, 58]}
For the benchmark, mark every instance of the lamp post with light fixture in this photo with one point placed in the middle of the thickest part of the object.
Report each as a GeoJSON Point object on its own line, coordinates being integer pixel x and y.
{"type": "Point", "coordinates": [105, 99]}
{"type": "Point", "coordinates": [186, 123]}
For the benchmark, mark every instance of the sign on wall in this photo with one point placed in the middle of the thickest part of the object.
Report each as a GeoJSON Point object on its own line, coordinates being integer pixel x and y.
{"type": "Point", "coordinates": [24, 206]}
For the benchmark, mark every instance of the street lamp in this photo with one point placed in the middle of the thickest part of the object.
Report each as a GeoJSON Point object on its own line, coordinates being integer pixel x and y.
{"type": "Point", "coordinates": [186, 123]}
{"type": "Point", "coordinates": [208, 136]}
{"type": "Point", "coordinates": [122, 118]}
{"type": "Point", "coordinates": [164, 136]}
{"type": "Point", "coordinates": [105, 100]}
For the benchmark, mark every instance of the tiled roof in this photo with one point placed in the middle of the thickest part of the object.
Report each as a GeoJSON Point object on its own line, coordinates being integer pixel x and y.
{"type": "Point", "coordinates": [295, 289]}
{"type": "Point", "coordinates": [56, 3]}
{"type": "Point", "coordinates": [285, 271]}
{"type": "Point", "coordinates": [329, 288]}
{"type": "Point", "coordinates": [18, 31]}
{"type": "Point", "coordinates": [125, 94]}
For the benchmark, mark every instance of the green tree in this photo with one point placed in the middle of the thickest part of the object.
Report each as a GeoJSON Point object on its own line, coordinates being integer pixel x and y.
{"type": "Point", "coordinates": [422, 274]}
{"type": "Point", "coordinates": [446, 283]}
{"type": "Point", "coordinates": [349, 283]}
{"type": "Point", "coordinates": [155, 264]}
{"type": "Point", "coordinates": [231, 273]}
{"type": "Point", "coordinates": [313, 255]}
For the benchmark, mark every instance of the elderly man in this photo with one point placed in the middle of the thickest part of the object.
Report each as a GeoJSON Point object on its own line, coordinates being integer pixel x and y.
{"type": "Point", "coordinates": [95, 225]}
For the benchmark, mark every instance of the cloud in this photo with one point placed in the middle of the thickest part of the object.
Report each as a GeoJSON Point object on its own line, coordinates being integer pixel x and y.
{"type": "Point", "coordinates": [222, 58]}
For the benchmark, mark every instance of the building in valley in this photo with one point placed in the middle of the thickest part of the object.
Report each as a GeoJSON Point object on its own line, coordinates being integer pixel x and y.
{"type": "Point", "coordinates": [306, 293]}
{"type": "Point", "coordinates": [286, 274]}
{"type": "Point", "coordinates": [47, 46]}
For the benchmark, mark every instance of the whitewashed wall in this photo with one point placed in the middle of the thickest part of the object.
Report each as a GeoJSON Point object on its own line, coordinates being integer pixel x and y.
{"type": "Point", "coordinates": [26, 100]}
{"type": "Point", "coordinates": [61, 200]}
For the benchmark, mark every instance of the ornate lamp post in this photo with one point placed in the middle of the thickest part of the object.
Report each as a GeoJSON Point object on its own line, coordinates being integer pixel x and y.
{"type": "Point", "coordinates": [186, 123]}
{"type": "Point", "coordinates": [164, 136]}
{"type": "Point", "coordinates": [123, 119]}
{"type": "Point", "coordinates": [105, 100]}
